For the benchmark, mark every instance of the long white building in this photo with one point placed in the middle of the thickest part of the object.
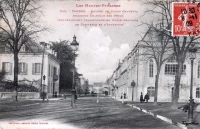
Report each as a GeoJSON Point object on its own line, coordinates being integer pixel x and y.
{"type": "Point", "coordinates": [135, 67]}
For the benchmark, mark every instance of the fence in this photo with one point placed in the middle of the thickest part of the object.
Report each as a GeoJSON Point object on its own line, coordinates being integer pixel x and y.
{"type": "Point", "coordinates": [27, 95]}
{"type": "Point", "coordinates": [7, 86]}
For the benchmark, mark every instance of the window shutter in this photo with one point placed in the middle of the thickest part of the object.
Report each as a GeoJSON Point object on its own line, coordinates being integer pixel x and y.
{"type": "Point", "coordinates": [26, 68]}
{"type": "Point", "coordinates": [33, 68]}
{"type": "Point", "coordinates": [3, 66]}
{"type": "Point", "coordinates": [10, 69]}
{"type": "Point", "coordinates": [41, 68]}
{"type": "Point", "coordinates": [19, 67]}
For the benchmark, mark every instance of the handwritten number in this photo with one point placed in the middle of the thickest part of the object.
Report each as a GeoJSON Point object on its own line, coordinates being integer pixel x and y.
{"type": "Point", "coordinates": [191, 10]}
{"type": "Point", "coordinates": [189, 23]}
{"type": "Point", "coordinates": [198, 5]}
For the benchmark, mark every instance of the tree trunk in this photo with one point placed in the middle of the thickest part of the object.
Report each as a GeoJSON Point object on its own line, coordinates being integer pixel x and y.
{"type": "Point", "coordinates": [175, 95]}
{"type": "Point", "coordinates": [15, 83]}
{"type": "Point", "coordinates": [156, 86]}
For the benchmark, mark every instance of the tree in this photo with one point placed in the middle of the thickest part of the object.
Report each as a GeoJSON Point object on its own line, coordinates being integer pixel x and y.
{"type": "Point", "coordinates": [157, 47]}
{"type": "Point", "coordinates": [20, 26]}
{"type": "Point", "coordinates": [66, 57]}
{"type": "Point", "coordinates": [2, 75]}
{"type": "Point", "coordinates": [180, 44]}
{"type": "Point", "coordinates": [86, 88]}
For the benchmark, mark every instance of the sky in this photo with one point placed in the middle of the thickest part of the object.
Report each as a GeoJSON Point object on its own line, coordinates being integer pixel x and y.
{"type": "Point", "coordinates": [101, 47]}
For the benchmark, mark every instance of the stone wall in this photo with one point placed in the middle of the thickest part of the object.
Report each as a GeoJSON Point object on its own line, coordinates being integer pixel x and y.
{"type": "Point", "coordinates": [27, 95]}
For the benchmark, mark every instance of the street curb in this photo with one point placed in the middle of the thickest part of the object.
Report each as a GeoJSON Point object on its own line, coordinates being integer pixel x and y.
{"type": "Point", "coordinates": [160, 117]}
{"type": "Point", "coordinates": [50, 99]}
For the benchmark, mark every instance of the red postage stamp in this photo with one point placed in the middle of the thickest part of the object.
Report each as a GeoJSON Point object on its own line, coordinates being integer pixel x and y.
{"type": "Point", "coordinates": [185, 19]}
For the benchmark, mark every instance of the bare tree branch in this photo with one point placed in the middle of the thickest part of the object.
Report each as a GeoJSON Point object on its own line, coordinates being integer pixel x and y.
{"type": "Point", "coordinates": [22, 26]}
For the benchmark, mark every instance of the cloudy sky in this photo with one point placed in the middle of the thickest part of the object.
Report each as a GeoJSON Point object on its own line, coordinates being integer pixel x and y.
{"type": "Point", "coordinates": [101, 47]}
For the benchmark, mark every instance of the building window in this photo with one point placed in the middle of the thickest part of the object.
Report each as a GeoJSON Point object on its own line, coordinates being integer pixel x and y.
{"type": "Point", "coordinates": [197, 92]}
{"type": "Point", "coordinates": [52, 68]}
{"type": "Point", "coordinates": [151, 91]}
{"type": "Point", "coordinates": [55, 71]}
{"type": "Point", "coordinates": [23, 68]}
{"type": "Point", "coordinates": [151, 68]}
{"type": "Point", "coordinates": [55, 77]}
{"type": "Point", "coordinates": [24, 48]}
{"type": "Point", "coordinates": [198, 74]}
{"type": "Point", "coordinates": [170, 69]}
{"type": "Point", "coordinates": [58, 71]}
{"type": "Point", "coordinates": [7, 67]}
{"type": "Point", "coordinates": [36, 68]}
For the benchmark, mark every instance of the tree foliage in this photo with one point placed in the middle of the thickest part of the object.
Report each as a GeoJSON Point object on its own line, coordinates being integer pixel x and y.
{"type": "Point", "coordinates": [66, 57]}
{"type": "Point", "coordinates": [2, 75]}
{"type": "Point", "coordinates": [181, 44]}
{"type": "Point", "coordinates": [19, 26]}
{"type": "Point", "coordinates": [157, 47]}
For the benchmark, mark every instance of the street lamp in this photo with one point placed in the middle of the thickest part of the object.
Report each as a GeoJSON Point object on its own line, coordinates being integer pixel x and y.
{"type": "Point", "coordinates": [74, 47]}
{"type": "Point", "coordinates": [133, 85]}
{"type": "Point", "coordinates": [44, 46]}
{"type": "Point", "coordinates": [97, 94]}
{"type": "Point", "coordinates": [192, 51]}
{"type": "Point", "coordinates": [44, 77]}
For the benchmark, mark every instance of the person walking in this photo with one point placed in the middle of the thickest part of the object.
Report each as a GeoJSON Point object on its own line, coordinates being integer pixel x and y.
{"type": "Point", "coordinates": [15, 94]}
{"type": "Point", "coordinates": [124, 95]}
{"type": "Point", "coordinates": [146, 97]}
{"type": "Point", "coordinates": [141, 98]}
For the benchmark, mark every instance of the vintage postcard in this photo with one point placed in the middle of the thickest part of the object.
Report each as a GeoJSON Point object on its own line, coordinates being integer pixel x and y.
{"type": "Point", "coordinates": [99, 64]}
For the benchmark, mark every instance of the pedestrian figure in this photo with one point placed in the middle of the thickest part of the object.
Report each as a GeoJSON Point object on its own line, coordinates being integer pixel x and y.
{"type": "Point", "coordinates": [124, 95]}
{"type": "Point", "coordinates": [15, 95]}
{"type": "Point", "coordinates": [146, 97]}
{"type": "Point", "coordinates": [186, 107]}
{"type": "Point", "coordinates": [92, 93]}
{"type": "Point", "coordinates": [141, 98]}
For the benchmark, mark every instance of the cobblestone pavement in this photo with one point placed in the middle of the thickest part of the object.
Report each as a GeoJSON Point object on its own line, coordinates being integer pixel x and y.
{"type": "Point", "coordinates": [88, 114]}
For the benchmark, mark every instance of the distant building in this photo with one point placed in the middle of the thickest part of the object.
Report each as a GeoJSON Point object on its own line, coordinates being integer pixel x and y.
{"type": "Point", "coordinates": [30, 62]}
{"type": "Point", "coordinates": [101, 87]}
{"type": "Point", "coordinates": [91, 88]}
{"type": "Point", "coordinates": [83, 87]}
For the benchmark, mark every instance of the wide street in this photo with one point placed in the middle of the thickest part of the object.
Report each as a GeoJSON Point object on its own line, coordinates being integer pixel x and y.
{"type": "Point", "coordinates": [58, 114]}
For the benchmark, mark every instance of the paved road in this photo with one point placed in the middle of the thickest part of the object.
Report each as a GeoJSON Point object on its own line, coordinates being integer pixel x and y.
{"type": "Point", "coordinates": [87, 115]}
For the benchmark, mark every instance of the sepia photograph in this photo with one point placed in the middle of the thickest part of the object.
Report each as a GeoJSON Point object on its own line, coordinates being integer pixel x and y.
{"type": "Point", "coordinates": [99, 64]}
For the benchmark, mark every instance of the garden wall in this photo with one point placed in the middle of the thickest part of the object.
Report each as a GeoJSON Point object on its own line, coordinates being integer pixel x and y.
{"type": "Point", "coordinates": [27, 95]}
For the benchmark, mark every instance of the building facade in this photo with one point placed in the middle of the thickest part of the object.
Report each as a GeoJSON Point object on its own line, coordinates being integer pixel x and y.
{"type": "Point", "coordinates": [83, 86]}
{"type": "Point", "coordinates": [30, 68]}
{"type": "Point", "coordinates": [101, 88]}
{"type": "Point", "coordinates": [137, 68]}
